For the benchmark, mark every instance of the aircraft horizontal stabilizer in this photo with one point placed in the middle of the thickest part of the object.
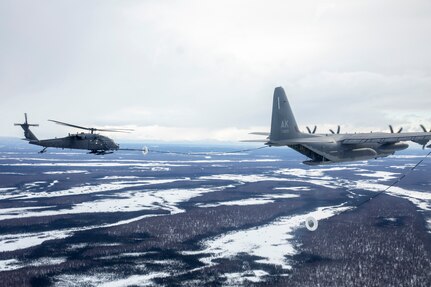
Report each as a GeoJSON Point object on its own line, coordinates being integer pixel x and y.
{"type": "Point", "coordinates": [255, 141]}
{"type": "Point", "coordinates": [259, 133]}
{"type": "Point", "coordinates": [295, 141]}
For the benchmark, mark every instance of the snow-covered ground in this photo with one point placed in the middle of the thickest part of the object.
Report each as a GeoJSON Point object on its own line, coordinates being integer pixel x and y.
{"type": "Point", "coordinates": [273, 242]}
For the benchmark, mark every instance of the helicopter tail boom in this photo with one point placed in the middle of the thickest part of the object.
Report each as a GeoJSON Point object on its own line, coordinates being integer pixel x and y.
{"type": "Point", "coordinates": [29, 135]}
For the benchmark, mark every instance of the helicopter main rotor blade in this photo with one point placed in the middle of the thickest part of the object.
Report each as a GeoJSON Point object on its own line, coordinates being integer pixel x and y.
{"type": "Point", "coordinates": [114, 130]}
{"type": "Point", "coordinates": [92, 129]}
{"type": "Point", "coordinates": [70, 125]}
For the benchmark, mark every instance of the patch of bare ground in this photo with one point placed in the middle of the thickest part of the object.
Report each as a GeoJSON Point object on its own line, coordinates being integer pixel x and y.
{"type": "Point", "coordinates": [382, 243]}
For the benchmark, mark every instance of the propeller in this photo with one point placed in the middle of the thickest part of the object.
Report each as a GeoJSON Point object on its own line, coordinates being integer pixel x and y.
{"type": "Point", "coordinates": [423, 143]}
{"type": "Point", "coordinates": [92, 130]}
{"type": "Point", "coordinates": [338, 130]}
{"type": "Point", "coordinates": [424, 129]}
{"type": "Point", "coordinates": [312, 131]}
{"type": "Point", "coordinates": [392, 130]}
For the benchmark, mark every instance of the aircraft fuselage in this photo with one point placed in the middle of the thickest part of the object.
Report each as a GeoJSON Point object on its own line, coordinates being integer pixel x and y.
{"type": "Point", "coordinates": [325, 153]}
{"type": "Point", "coordinates": [93, 142]}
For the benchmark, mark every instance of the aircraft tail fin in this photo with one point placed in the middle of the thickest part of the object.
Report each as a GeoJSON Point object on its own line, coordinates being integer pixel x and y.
{"type": "Point", "coordinates": [283, 123]}
{"type": "Point", "coordinates": [27, 132]}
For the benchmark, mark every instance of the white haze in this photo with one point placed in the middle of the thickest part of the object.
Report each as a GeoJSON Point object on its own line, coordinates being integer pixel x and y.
{"type": "Point", "coordinates": [206, 70]}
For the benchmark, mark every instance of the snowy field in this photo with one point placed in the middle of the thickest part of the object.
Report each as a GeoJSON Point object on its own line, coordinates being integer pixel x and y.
{"type": "Point", "coordinates": [238, 214]}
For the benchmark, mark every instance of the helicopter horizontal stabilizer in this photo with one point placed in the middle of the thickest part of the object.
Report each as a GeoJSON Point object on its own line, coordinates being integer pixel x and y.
{"type": "Point", "coordinates": [28, 134]}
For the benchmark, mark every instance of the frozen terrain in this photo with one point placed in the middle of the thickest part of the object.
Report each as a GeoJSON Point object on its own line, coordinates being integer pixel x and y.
{"type": "Point", "coordinates": [214, 217]}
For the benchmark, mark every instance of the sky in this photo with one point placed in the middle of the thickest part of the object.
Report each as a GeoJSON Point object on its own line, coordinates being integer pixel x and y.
{"type": "Point", "coordinates": [198, 70]}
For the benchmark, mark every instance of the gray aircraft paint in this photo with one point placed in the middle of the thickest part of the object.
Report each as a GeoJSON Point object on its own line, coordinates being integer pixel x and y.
{"type": "Point", "coordinates": [28, 134]}
{"type": "Point", "coordinates": [95, 143]}
{"type": "Point", "coordinates": [332, 148]}
{"type": "Point", "coordinates": [283, 123]}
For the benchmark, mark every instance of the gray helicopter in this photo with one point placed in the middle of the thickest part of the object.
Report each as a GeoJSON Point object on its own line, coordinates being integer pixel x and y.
{"type": "Point", "coordinates": [95, 143]}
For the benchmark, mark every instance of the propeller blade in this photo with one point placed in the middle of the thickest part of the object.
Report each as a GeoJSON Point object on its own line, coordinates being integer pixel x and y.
{"type": "Point", "coordinates": [308, 129]}
{"type": "Point", "coordinates": [424, 129]}
{"type": "Point", "coordinates": [392, 129]}
{"type": "Point", "coordinates": [314, 130]}
{"type": "Point", "coordinates": [338, 130]}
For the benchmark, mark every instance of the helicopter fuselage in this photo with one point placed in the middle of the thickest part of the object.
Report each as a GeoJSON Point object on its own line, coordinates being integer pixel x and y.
{"type": "Point", "coordinates": [95, 143]}
{"type": "Point", "coordinates": [86, 141]}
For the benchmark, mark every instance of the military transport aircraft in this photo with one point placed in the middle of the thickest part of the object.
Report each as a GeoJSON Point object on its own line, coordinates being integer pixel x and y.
{"type": "Point", "coordinates": [95, 143]}
{"type": "Point", "coordinates": [333, 147]}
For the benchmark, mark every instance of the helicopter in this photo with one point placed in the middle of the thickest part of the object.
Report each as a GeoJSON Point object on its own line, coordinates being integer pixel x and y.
{"type": "Point", "coordinates": [95, 143]}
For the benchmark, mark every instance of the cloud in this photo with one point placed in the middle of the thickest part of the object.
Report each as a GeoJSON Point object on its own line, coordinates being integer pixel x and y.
{"type": "Point", "coordinates": [361, 98]}
{"type": "Point", "coordinates": [209, 67]}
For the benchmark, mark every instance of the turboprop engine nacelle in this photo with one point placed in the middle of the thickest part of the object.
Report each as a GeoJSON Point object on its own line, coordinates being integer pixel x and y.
{"type": "Point", "coordinates": [393, 147]}
{"type": "Point", "coordinates": [361, 153]}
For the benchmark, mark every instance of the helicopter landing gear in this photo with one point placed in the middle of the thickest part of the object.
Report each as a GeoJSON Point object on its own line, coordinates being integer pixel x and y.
{"type": "Point", "coordinates": [100, 152]}
{"type": "Point", "coordinates": [44, 150]}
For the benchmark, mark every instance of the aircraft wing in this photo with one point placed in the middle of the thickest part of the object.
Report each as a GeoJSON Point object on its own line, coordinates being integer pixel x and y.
{"type": "Point", "coordinates": [381, 138]}
{"type": "Point", "coordinates": [304, 140]}
{"type": "Point", "coordinates": [351, 139]}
